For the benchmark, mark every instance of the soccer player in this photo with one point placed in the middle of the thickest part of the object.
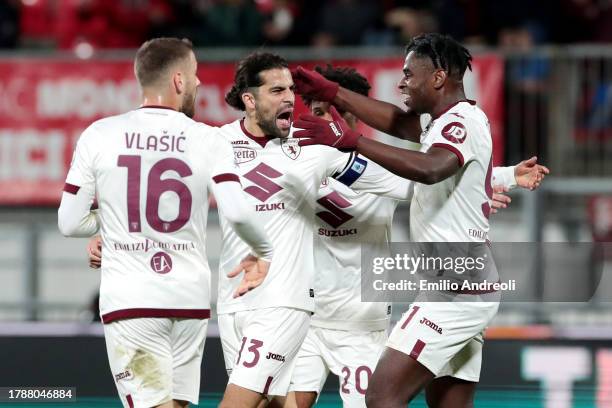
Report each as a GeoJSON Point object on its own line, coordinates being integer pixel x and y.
{"type": "Point", "coordinates": [149, 170]}
{"type": "Point", "coordinates": [450, 204]}
{"type": "Point", "coordinates": [262, 333]}
{"type": "Point", "coordinates": [347, 336]}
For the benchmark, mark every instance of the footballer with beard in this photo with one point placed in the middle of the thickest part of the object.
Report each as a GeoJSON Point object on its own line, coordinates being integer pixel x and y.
{"type": "Point", "coordinates": [150, 170]}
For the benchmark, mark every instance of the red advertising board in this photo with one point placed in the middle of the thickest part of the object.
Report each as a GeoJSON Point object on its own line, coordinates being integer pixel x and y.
{"type": "Point", "coordinates": [45, 104]}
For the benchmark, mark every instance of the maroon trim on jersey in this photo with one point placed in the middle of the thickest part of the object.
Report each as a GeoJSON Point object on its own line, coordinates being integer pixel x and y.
{"type": "Point", "coordinates": [129, 400]}
{"type": "Point", "coordinates": [417, 349]}
{"type": "Point", "coordinates": [144, 312]}
{"type": "Point", "coordinates": [260, 140]}
{"type": "Point", "coordinates": [71, 188]}
{"type": "Point", "coordinates": [452, 149]}
{"type": "Point", "coordinates": [471, 102]}
{"type": "Point", "coordinates": [267, 386]}
{"type": "Point", "coordinates": [223, 177]}
{"type": "Point", "coordinates": [158, 107]}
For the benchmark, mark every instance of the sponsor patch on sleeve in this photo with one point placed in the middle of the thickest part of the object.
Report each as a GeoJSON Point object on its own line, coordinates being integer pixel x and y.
{"type": "Point", "coordinates": [454, 132]}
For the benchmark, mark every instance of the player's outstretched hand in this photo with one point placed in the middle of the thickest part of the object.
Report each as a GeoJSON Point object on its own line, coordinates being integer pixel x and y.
{"type": "Point", "coordinates": [499, 199]}
{"type": "Point", "coordinates": [314, 85]}
{"type": "Point", "coordinates": [529, 174]}
{"type": "Point", "coordinates": [94, 252]}
{"type": "Point", "coordinates": [336, 133]}
{"type": "Point", "coordinates": [255, 271]}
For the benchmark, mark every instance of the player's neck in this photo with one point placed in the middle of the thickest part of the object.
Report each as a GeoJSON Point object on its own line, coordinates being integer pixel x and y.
{"type": "Point", "coordinates": [250, 124]}
{"type": "Point", "coordinates": [446, 101]}
{"type": "Point", "coordinates": [160, 100]}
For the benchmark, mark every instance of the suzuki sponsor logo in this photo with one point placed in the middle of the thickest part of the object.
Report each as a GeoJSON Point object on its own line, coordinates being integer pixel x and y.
{"type": "Point", "coordinates": [335, 216]}
{"type": "Point", "coordinates": [264, 187]}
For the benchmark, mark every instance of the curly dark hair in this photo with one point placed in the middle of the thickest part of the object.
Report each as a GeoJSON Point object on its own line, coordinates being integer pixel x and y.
{"type": "Point", "coordinates": [247, 75]}
{"type": "Point", "coordinates": [346, 77]}
{"type": "Point", "coordinates": [444, 51]}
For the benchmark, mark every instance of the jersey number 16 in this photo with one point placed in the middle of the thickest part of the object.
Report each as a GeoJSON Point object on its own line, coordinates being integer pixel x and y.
{"type": "Point", "coordinates": [156, 186]}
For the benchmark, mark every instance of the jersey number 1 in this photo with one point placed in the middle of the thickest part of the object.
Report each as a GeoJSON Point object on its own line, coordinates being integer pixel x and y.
{"type": "Point", "coordinates": [156, 186]}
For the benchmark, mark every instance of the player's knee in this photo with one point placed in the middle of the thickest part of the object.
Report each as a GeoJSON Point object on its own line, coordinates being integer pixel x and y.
{"type": "Point", "coordinates": [305, 399]}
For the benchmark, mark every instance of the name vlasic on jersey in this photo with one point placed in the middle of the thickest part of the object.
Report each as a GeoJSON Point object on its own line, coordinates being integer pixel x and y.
{"type": "Point", "coordinates": [150, 170]}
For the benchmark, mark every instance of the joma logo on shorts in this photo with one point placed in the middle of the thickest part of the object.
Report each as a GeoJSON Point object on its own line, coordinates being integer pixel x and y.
{"type": "Point", "coordinates": [276, 357]}
{"type": "Point", "coordinates": [431, 324]}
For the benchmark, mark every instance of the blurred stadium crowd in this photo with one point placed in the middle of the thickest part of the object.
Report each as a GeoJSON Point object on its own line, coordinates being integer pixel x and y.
{"type": "Point", "coordinates": [64, 24]}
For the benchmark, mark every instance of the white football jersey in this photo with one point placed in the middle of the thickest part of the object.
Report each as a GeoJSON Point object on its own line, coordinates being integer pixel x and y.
{"type": "Point", "coordinates": [281, 181]}
{"type": "Point", "coordinates": [346, 219]}
{"type": "Point", "coordinates": [150, 169]}
{"type": "Point", "coordinates": [456, 209]}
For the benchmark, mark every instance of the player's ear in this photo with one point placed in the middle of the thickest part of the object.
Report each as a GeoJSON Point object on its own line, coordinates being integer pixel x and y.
{"type": "Point", "coordinates": [178, 81]}
{"type": "Point", "coordinates": [248, 99]}
{"type": "Point", "coordinates": [439, 78]}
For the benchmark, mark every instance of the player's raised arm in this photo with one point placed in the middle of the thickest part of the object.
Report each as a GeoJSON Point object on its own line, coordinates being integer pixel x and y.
{"type": "Point", "coordinates": [74, 216]}
{"type": "Point", "coordinates": [368, 177]}
{"type": "Point", "coordinates": [380, 115]}
{"type": "Point", "coordinates": [424, 167]}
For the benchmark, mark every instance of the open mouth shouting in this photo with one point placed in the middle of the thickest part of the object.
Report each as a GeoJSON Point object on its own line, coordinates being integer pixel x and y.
{"type": "Point", "coordinates": [284, 119]}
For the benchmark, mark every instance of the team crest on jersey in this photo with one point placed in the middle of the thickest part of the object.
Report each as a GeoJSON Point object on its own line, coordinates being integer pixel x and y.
{"type": "Point", "coordinates": [291, 148]}
{"type": "Point", "coordinates": [454, 132]}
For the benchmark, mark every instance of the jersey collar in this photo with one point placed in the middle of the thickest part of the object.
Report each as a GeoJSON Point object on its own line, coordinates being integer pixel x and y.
{"type": "Point", "coordinates": [157, 107]}
{"type": "Point", "coordinates": [470, 101]}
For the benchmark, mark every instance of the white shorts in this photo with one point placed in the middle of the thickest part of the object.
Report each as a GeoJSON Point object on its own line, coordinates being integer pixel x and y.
{"type": "Point", "coordinates": [260, 347]}
{"type": "Point", "coordinates": [446, 337]}
{"type": "Point", "coordinates": [351, 355]}
{"type": "Point", "coordinates": [154, 360]}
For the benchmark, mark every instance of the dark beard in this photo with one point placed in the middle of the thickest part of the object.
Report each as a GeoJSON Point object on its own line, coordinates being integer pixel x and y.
{"type": "Point", "coordinates": [268, 126]}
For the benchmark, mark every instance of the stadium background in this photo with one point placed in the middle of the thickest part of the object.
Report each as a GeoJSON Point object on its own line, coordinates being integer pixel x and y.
{"type": "Point", "coordinates": [542, 73]}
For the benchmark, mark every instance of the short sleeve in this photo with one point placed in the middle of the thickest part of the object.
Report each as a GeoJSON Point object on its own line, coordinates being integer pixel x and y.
{"type": "Point", "coordinates": [454, 134]}
{"type": "Point", "coordinates": [337, 162]}
{"type": "Point", "coordinates": [369, 177]}
{"type": "Point", "coordinates": [81, 173]}
{"type": "Point", "coordinates": [224, 166]}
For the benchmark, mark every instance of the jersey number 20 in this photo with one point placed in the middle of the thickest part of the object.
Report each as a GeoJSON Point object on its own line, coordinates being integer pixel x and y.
{"type": "Point", "coordinates": [156, 186]}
